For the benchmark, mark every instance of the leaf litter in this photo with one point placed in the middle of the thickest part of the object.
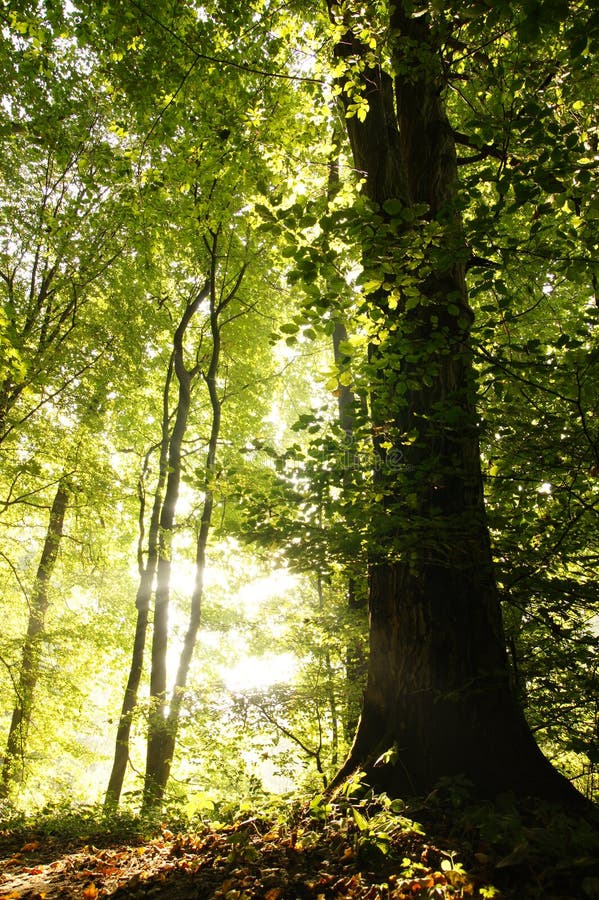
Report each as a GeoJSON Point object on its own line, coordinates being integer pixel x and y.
{"type": "Point", "coordinates": [316, 860]}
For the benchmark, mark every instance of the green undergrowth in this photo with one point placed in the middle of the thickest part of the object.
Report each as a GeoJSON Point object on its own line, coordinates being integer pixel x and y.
{"type": "Point", "coordinates": [441, 846]}
{"type": "Point", "coordinates": [511, 847]}
{"type": "Point", "coordinates": [65, 821]}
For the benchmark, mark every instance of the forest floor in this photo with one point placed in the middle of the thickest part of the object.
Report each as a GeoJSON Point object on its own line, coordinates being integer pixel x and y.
{"type": "Point", "coordinates": [358, 853]}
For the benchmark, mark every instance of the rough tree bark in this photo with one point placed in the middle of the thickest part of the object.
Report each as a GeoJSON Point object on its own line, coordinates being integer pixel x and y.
{"type": "Point", "coordinates": [32, 647]}
{"type": "Point", "coordinates": [438, 700]}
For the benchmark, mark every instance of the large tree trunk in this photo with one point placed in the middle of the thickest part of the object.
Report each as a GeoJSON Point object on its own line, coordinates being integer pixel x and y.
{"type": "Point", "coordinates": [32, 647]}
{"type": "Point", "coordinates": [438, 700]}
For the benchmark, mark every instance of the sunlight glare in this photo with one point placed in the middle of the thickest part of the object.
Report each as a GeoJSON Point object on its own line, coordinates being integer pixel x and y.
{"type": "Point", "coordinates": [259, 672]}
{"type": "Point", "coordinates": [259, 590]}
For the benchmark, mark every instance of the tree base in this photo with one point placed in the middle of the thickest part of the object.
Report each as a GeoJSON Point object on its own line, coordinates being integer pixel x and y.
{"type": "Point", "coordinates": [520, 769]}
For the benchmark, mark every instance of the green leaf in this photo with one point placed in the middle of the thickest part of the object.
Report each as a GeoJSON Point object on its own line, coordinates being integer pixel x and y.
{"type": "Point", "coordinates": [264, 211]}
{"type": "Point", "coordinates": [393, 207]}
{"type": "Point", "coordinates": [372, 285]}
{"type": "Point", "coordinates": [360, 820]}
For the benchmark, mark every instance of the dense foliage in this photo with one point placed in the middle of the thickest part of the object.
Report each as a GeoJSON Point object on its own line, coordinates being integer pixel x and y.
{"type": "Point", "coordinates": [190, 331]}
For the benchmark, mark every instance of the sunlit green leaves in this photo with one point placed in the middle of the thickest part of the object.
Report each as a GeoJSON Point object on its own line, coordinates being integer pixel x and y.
{"type": "Point", "coordinates": [128, 137]}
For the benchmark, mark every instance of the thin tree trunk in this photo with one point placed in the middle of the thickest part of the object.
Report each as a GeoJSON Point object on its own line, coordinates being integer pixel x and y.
{"type": "Point", "coordinates": [158, 736]}
{"type": "Point", "coordinates": [172, 725]}
{"type": "Point", "coordinates": [330, 680]}
{"type": "Point", "coordinates": [157, 777]}
{"type": "Point", "coordinates": [32, 648]}
{"type": "Point", "coordinates": [147, 572]}
{"type": "Point", "coordinates": [438, 700]}
{"type": "Point", "coordinates": [157, 725]}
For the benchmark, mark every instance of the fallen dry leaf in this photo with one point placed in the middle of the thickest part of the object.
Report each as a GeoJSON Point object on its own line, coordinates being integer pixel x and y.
{"type": "Point", "coordinates": [274, 894]}
{"type": "Point", "coordinates": [32, 845]}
